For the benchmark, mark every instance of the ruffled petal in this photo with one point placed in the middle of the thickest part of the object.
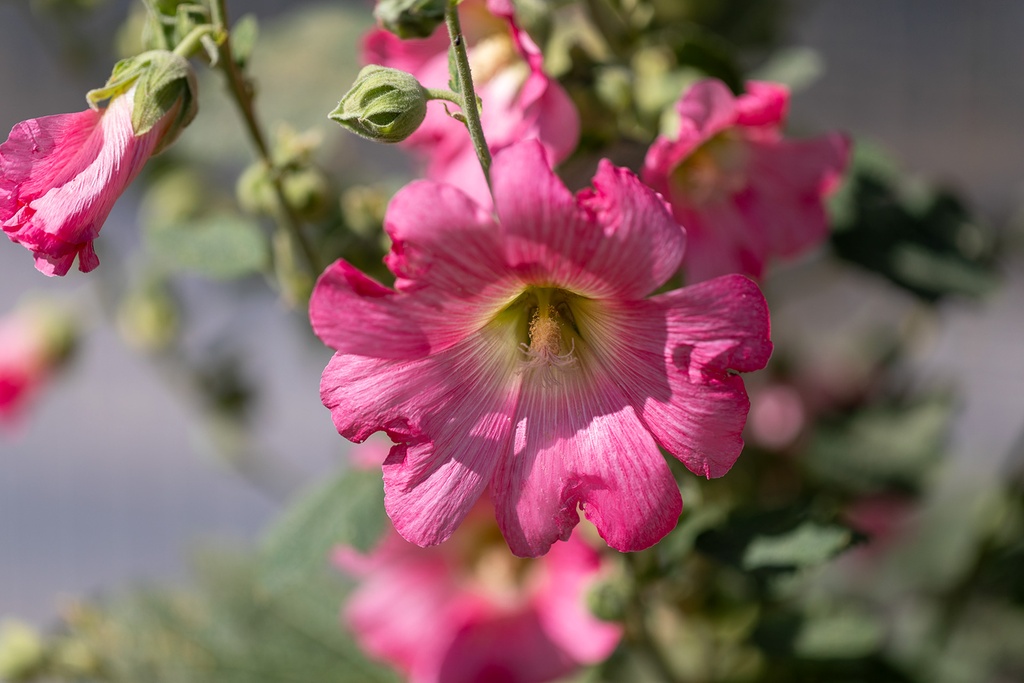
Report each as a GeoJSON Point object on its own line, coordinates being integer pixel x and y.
{"type": "Point", "coordinates": [789, 180]}
{"type": "Point", "coordinates": [763, 104]}
{"type": "Point", "coordinates": [617, 240]}
{"type": "Point", "coordinates": [578, 443]}
{"type": "Point", "coordinates": [436, 473]}
{"type": "Point", "coordinates": [676, 365]}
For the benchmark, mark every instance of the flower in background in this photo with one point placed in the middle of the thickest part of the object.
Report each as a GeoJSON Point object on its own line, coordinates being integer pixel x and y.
{"type": "Point", "coordinates": [34, 340]}
{"type": "Point", "coordinates": [520, 102]}
{"type": "Point", "coordinates": [743, 193]}
{"type": "Point", "coordinates": [469, 612]}
{"type": "Point", "coordinates": [60, 175]}
{"type": "Point", "coordinates": [520, 355]}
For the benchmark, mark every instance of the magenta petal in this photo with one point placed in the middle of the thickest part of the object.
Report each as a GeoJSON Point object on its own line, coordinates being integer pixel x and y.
{"type": "Point", "coordinates": [618, 239]}
{"type": "Point", "coordinates": [709, 330]}
{"type": "Point", "coordinates": [579, 443]}
{"type": "Point", "coordinates": [763, 104]}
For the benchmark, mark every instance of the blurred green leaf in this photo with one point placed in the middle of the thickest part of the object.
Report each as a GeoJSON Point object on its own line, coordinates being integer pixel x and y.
{"type": "Point", "coordinates": [847, 635]}
{"type": "Point", "coordinates": [927, 244]}
{"type": "Point", "coordinates": [243, 38]}
{"type": "Point", "coordinates": [805, 546]}
{"type": "Point", "coordinates": [881, 445]}
{"type": "Point", "coordinates": [221, 246]}
{"type": "Point", "coordinates": [347, 510]}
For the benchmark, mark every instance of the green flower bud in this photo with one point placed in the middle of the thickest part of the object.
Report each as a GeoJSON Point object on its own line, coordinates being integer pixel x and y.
{"type": "Point", "coordinates": [410, 18]}
{"type": "Point", "coordinates": [386, 105]}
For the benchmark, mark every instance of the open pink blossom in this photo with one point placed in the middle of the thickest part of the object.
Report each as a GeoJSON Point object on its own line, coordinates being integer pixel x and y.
{"type": "Point", "coordinates": [520, 355]}
{"type": "Point", "coordinates": [60, 176]}
{"type": "Point", "coordinates": [744, 194]}
{"type": "Point", "coordinates": [520, 102]}
{"type": "Point", "coordinates": [469, 612]}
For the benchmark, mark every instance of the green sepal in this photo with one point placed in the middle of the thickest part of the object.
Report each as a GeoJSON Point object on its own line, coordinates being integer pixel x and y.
{"type": "Point", "coordinates": [164, 83]}
{"type": "Point", "coordinates": [384, 104]}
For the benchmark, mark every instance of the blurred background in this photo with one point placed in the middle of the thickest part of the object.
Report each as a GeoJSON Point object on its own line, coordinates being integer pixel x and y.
{"type": "Point", "coordinates": [114, 473]}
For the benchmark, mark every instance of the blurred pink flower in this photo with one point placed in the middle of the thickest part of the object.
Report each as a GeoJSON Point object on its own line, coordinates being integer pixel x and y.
{"type": "Point", "coordinates": [520, 355]}
{"type": "Point", "coordinates": [33, 341]}
{"type": "Point", "coordinates": [469, 612]}
{"type": "Point", "coordinates": [60, 176]}
{"type": "Point", "coordinates": [743, 193]}
{"type": "Point", "coordinates": [520, 102]}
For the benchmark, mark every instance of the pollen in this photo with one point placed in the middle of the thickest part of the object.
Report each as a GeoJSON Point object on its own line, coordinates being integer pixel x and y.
{"type": "Point", "coordinates": [546, 341]}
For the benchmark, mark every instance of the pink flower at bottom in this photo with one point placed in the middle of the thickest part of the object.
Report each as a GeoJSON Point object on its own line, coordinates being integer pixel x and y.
{"type": "Point", "coordinates": [468, 612]}
{"type": "Point", "coordinates": [60, 176]}
{"type": "Point", "coordinates": [743, 194]}
{"type": "Point", "coordinates": [521, 356]}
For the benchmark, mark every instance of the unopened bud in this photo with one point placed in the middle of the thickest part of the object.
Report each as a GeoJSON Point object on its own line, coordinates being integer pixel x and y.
{"type": "Point", "coordinates": [410, 18]}
{"type": "Point", "coordinates": [385, 105]}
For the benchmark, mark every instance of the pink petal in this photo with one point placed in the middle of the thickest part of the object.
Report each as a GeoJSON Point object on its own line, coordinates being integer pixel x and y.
{"type": "Point", "coordinates": [763, 104]}
{"type": "Point", "coordinates": [579, 443]}
{"type": "Point", "coordinates": [691, 401]}
{"type": "Point", "coordinates": [504, 649]}
{"type": "Point", "coordinates": [789, 180]}
{"type": "Point", "coordinates": [570, 569]}
{"type": "Point", "coordinates": [618, 239]}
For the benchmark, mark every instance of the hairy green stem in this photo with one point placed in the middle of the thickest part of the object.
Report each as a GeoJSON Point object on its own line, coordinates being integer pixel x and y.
{"type": "Point", "coordinates": [470, 110]}
{"type": "Point", "coordinates": [242, 94]}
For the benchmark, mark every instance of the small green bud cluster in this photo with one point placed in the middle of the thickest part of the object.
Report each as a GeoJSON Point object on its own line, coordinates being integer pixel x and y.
{"type": "Point", "coordinates": [385, 105]}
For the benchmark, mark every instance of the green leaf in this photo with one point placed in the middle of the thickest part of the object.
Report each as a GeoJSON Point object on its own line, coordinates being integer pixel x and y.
{"type": "Point", "coordinates": [348, 510]}
{"type": "Point", "coordinates": [805, 546]}
{"type": "Point", "coordinates": [221, 246]}
{"type": "Point", "coordinates": [881, 445]}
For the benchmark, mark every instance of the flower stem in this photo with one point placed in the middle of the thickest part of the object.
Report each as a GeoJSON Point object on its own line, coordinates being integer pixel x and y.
{"type": "Point", "coordinates": [242, 93]}
{"type": "Point", "coordinates": [470, 110]}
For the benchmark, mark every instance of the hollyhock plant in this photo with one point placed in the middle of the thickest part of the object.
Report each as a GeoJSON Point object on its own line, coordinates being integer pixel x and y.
{"type": "Point", "coordinates": [60, 175]}
{"type": "Point", "coordinates": [468, 612]}
{"type": "Point", "coordinates": [744, 194]}
{"type": "Point", "coordinates": [519, 355]}
{"type": "Point", "coordinates": [520, 101]}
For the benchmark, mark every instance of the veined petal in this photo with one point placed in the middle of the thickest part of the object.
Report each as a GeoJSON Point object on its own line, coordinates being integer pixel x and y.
{"type": "Point", "coordinates": [578, 443]}
{"type": "Point", "coordinates": [352, 313]}
{"type": "Point", "coordinates": [674, 354]}
{"type": "Point", "coordinates": [618, 239]}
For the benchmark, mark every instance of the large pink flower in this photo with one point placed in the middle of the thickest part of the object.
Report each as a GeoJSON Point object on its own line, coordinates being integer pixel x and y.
{"type": "Point", "coordinates": [522, 356]}
{"type": "Point", "coordinates": [744, 194]}
{"type": "Point", "coordinates": [520, 101]}
{"type": "Point", "coordinates": [60, 176]}
{"type": "Point", "coordinates": [468, 612]}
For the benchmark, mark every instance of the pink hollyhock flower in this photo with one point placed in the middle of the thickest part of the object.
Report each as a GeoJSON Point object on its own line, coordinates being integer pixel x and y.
{"type": "Point", "coordinates": [520, 102]}
{"type": "Point", "coordinates": [33, 342]}
{"type": "Point", "coordinates": [520, 355]}
{"type": "Point", "coordinates": [743, 193]}
{"type": "Point", "coordinates": [468, 612]}
{"type": "Point", "coordinates": [60, 176]}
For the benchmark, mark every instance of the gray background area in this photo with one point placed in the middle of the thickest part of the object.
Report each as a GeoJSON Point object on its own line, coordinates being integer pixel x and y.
{"type": "Point", "coordinates": [110, 480]}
